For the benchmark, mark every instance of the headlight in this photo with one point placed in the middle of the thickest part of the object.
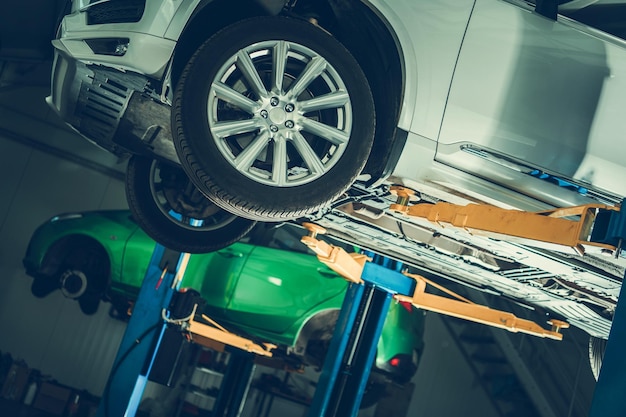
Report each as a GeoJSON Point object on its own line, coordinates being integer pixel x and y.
{"type": "Point", "coordinates": [66, 216]}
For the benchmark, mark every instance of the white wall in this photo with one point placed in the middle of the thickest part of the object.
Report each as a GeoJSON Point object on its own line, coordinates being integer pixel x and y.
{"type": "Point", "coordinates": [36, 183]}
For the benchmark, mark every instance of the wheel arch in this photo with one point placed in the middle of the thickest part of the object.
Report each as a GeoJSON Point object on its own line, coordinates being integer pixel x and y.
{"type": "Point", "coordinates": [203, 24]}
{"type": "Point", "coordinates": [53, 259]}
{"type": "Point", "coordinates": [370, 39]}
{"type": "Point", "coordinates": [318, 326]}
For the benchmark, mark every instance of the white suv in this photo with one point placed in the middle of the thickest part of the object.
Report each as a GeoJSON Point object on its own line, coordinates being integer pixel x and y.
{"type": "Point", "coordinates": [238, 111]}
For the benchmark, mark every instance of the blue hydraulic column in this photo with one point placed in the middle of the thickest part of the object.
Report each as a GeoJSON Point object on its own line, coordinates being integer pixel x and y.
{"type": "Point", "coordinates": [353, 346]}
{"type": "Point", "coordinates": [608, 397]}
{"type": "Point", "coordinates": [128, 375]}
{"type": "Point", "coordinates": [336, 351]}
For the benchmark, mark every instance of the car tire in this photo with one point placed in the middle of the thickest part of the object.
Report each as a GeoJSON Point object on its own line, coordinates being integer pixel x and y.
{"type": "Point", "coordinates": [597, 346]}
{"type": "Point", "coordinates": [43, 286]}
{"type": "Point", "coordinates": [166, 205]}
{"type": "Point", "coordinates": [273, 150]}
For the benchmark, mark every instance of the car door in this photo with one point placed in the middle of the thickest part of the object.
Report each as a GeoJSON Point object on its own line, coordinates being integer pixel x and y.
{"type": "Point", "coordinates": [531, 95]}
{"type": "Point", "coordinates": [281, 283]}
{"type": "Point", "coordinates": [216, 275]}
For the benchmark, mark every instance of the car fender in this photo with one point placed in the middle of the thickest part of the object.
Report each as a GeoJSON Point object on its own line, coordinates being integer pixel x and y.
{"type": "Point", "coordinates": [429, 35]}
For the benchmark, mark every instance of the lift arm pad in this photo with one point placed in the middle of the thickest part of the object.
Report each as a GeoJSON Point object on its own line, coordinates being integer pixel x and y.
{"type": "Point", "coordinates": [348, 265]}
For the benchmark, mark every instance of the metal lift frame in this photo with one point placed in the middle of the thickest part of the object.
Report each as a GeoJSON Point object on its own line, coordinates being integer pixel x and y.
{"type": "Point", "coordinates": [592, 225]}
{"type": "Point", "coordinates": [346, 369]}
{"type": "Point", "coordinates": [372, 288]}
{"type": "Point", "coordinates": [138, 348]}
{"type": "Point", "coordinates": [145, 331]}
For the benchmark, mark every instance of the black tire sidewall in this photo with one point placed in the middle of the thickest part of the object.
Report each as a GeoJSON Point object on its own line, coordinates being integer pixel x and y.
{"type": "Point", "coordinates": [214, 175]}
{"type": "Point", "coordinates": [165, 230]}
{"type": "Point", "coordinates": [43, 286]}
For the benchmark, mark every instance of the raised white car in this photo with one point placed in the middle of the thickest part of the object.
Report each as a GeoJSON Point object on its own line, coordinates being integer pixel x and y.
{"type": "Point", "coordinates": [311, 109]}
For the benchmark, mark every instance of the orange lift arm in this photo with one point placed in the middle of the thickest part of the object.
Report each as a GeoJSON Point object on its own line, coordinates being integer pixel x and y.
{"type": "Point", "coordinates": [465, 309]}
{"type": "Point", "coordinates": [216, 337]}
{"type": "Point", "coordinates": [340, 261]}
{"type": "Point", "coordinates": [212, 335]}
{"type": "Point", "coordinates": [563, 227]}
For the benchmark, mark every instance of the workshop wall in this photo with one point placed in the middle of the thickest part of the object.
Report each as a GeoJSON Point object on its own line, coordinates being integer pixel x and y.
{"type": "Point", "coordinates": [45, 170]}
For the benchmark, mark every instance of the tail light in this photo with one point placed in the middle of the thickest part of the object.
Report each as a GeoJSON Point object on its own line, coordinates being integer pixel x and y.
{"type": "Point", "coordinates": [401, 367]}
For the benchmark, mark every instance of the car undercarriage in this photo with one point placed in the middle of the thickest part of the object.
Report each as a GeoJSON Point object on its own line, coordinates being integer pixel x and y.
{"type": "Point", "coordinates": [581, 289]}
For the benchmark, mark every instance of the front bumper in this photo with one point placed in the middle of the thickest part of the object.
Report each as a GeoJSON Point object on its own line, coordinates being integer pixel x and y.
{"type": "Point", "coordinates": [107, 95]}
{"type": "Point", "coordinates": [108, 107]}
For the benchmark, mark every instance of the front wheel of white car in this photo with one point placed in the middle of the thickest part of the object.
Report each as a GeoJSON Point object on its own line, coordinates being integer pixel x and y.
{"type": "Point", "coordinates": [273, 118]}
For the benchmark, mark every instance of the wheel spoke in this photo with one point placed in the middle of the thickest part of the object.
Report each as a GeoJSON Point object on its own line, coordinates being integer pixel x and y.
{"type": "Point", "coordinates": [311, 159]}
{"type": "Point", "coordinates": [334, 135]}
{"type": "Point", "coordinates": [225, 129]}
{"type": "Point", "coordinates": [245, 64]}
{"type": "Point", "coordinates": [246, 158]}
{"type": "Point", "coordinates": [314, 68]}
{"type": "Point", "coordinates": [224, 92]}
{"type": "Point", "coordinates": [279, 166]}
{"type": "Point", "coordinates": [326, 101]}
{"type": "Point", "coordinates": [278, 67]}
{"type": "Point", "coordinates": [157, 186]}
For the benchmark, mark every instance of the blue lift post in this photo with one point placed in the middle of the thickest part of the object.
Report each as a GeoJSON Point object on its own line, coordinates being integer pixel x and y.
{"type": "Point", "coordinates": [608, 398]}
{"type": "Point", "coordinates": [141, 342]}
{"type": "Point", "coordinates": [353, 346]}
{"type": "Point", "coordinates": [138, 348]}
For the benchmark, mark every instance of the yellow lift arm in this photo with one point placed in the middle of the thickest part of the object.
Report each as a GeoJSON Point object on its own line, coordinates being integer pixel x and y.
{"type": "Point", "coordinates": [215, 337]}
{"type": "Point", "coordinates": [465, 309]}
{"type": "Point", "coordinates": [563, 227]}
{"type": "Point", "coordinates": [212, 335]}
{"type": "Point", "coordinates": [350, 266]}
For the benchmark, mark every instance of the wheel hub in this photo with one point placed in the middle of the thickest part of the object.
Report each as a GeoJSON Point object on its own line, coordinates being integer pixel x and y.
{"type": "Point", "coordinates": [278, 116]}
{"type": "Point", "coordinates": [73, 284]}
{"type": "Point", "coordinates": [279, 113]}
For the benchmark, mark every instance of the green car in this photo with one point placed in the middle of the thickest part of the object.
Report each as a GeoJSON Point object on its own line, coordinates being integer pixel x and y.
{"type": "Point", "coordinates": [269, 285]}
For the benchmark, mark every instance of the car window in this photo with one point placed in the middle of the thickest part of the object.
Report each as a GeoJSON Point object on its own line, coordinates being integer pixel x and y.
{"type": "Point", "coordinates": [609, 18]}
{"type": "Point", "coordinates": [605, 15]}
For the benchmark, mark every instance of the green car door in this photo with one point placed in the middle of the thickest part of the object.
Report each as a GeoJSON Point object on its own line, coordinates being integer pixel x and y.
{"type": "Point", "coordinates": [278, 290]}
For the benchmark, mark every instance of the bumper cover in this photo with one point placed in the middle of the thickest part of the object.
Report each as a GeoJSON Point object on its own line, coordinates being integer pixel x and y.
{"type": "Point", "coordinates": [108, 107]}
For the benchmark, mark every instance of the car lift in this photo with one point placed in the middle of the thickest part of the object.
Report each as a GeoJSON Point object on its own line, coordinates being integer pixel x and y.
{"type": "Point", "coordinates": [373, 286]}
{"type": "Point", "coordinates": [146, 331]}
